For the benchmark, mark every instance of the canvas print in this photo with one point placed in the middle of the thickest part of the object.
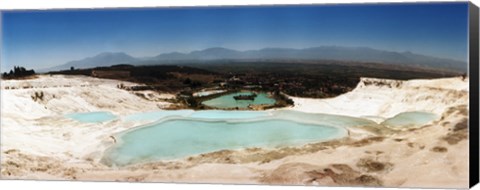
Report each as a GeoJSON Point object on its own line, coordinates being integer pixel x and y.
{"type": "Point", "coordinates": [324, 95]}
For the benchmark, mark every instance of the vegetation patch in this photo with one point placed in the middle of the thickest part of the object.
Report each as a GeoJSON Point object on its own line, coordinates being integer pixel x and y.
{"type": "Point", "coordinates": [18, 73]}
{"type": "Point", "coordinates": [37, 96]}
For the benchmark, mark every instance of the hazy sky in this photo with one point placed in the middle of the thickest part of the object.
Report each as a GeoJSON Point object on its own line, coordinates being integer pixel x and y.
{"type": "Point", "coordinates": [39, 39]}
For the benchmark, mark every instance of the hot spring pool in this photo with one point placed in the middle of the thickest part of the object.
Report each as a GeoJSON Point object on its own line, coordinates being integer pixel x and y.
{"type": "Point", "coordinates": [179, 134]}
{"type": "Point", "coordinates": [227, 101]}
{"type": "Point", "coordinates": [410, 119]}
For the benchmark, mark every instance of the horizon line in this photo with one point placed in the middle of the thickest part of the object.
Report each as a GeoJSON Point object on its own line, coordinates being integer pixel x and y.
{"type": "Point", "coordinates": [268, 47]}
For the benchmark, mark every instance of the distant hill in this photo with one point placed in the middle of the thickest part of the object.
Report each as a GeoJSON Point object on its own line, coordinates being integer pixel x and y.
{"type": "Point", "coordinates": [357, 54]}
{"type": "Point", "coordinates": [360, 54]}
{"type": "Point", "coordinates": [100, 60]}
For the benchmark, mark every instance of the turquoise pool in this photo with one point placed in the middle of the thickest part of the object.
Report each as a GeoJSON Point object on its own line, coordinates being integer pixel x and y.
{"type": "Point", "coordinates": [227, 101]}
{"type": "Point", "coordinates": [410, 119]}
{"type": "Point", "coordinates": [179, 134]}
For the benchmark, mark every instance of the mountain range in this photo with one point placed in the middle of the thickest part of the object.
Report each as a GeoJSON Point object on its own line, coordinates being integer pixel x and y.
{"type": "Point", "coordinates": [357, 54]}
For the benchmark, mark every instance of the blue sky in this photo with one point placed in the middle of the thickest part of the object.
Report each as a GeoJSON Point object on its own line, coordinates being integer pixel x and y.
{"type": "Point", "coordinates": [40, 39]}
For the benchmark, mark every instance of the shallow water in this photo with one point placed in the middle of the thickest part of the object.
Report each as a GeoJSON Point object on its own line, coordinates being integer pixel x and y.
{"type": "Point", "coordinates": [91, 117]}
{"type": "Point", "coordinates": [410, 119]}
{"type": "Point", "coordinates": [179, 134]}
{"type": "Point", "coordinates": [182, 133]}
{"type": "Point", "coordinates": [227, 101]}
{"type": "Point", "coordinates": [178, 138]}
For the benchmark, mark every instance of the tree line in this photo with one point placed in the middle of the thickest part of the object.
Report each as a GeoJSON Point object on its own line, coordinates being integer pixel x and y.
{"type": "Point", "coordinates": [18, 71]}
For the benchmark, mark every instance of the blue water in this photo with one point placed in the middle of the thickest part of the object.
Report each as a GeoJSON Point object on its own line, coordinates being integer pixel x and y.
{"type": "Point", "coordinates": [219, 114]}
{"type": "Point", "coordinates": [179, 134]}
{"type": "Point", "coordinates": [182, 133]}
{"type": "Point", "coordinates": [410, 119]}
{"type": "Point", "coordinates": [179, 138]}
{"type": "Point", "coordinates": [92, 117]}
{"type": "Point", "coordinates": [227, 101]}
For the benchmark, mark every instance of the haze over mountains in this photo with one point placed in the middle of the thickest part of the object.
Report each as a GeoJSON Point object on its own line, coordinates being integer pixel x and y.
{"type": "Point", "coordinates": [102, 59]}
{"type": "Point", "coordinates": [357, 54]}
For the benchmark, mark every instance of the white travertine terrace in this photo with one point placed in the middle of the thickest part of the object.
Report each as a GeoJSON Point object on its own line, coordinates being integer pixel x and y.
{"type": "Point", "coordinates": [37, 142]}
